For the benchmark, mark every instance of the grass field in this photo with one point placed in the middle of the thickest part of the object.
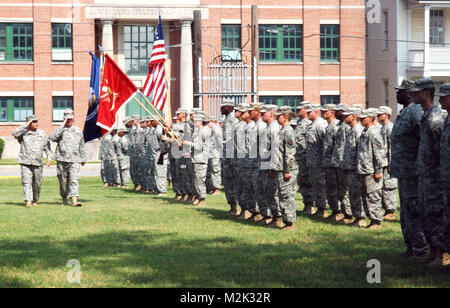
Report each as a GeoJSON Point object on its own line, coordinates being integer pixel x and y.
{"type": "Point", "coordinates": [13, 162]}
{"type": "Point", "coordinates": [124, 239]}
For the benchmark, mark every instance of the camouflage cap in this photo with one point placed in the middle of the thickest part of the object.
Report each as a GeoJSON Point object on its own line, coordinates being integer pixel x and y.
{"type": "Point", "coordinates": [126, 120]}
{"type": "Point", "coordinates": [142, 120]}
{"type": "Point", "coordinates": [367, 113]}
{"type": "Point", "coordinates": [313, 107]}
{"type": "Point", "coordinates": [199, 117]}
{"type": "Point", "coordinates": [284, 110]}
{"type": "Point", "coordinates": [304, 104]}
{"type": "Point", "coordinates": [147, 119]}
{"type": "Point", "coordinates": [406, 85]}
{"type": "Point", "coordinates": [352, 111]}
{"type": "Point", "coordinates": [136, 117]}
{"type": "Point", "coordinates": [329, 107]}
{"type": "Point", "coordinates": [227, 102]}
{"type": "Point", "coordinates": [444, 90]}
{"type": "Point", "coordinates": [122, 130]}
{"type": "Point", "coordinates": [242, 107]}
{"type": "Point", "coordinates": [423, 84]}
{"type": "Point", "coordinates": [384, 110]}
{"type": "Point", "coordinates": [211, 118]}
{"type": "Point", "coordinates": [194, 110]}
{"type": "Point", "coordinates": [182, 110]}
{"type": "Point", "coordinates": [256, 105]}
{"type": "Point", "coordinates": [32, 118]}
{"type": "Point", "coordinates": [342, 107]}
{"type": "Point", "coordinates": [294, 122]}
{"type": "Point", "coordinates": [361, 107]}
{"type": "Point", "coordinates": [68, 114]}
{"type": "Point", "coordinates": [267, 108]}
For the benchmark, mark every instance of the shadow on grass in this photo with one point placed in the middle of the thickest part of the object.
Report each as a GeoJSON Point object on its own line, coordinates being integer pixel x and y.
{"type": "Point", "coordinates": [144, 258]}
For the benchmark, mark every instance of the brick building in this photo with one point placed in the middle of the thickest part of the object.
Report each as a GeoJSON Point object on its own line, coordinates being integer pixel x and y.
{"type": "Point", "coordinates": [274, 51]}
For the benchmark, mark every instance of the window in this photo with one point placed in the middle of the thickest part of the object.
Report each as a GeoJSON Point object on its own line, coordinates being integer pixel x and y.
{"type": "Point", "coordinates": [62, 42]}
{"type": "Point", "coordinates": [231, 43]}
{"type": "Point", "coordinates": [386, 30]}
{"type": "Point", "coordinates": [15, 109]}
{"type": "Point", "coordinates": [330, 99]}
{"type": "Point", "coordinates": [386, 92]}
{"type": "Point", "coordinates": [329, 43]}
{"type": "Point", "coordinates": [16, 42]}
{"type": "Point", "coordinates": [138, 49]}
{"type": "Point", "coordinates": [60, 104]}
{"type": "Point", "coordinates": [437, 27]}
{"type": "Point", "coordinates": [292, 101]}
{"type": "Point", "coordinates": [281, 43]}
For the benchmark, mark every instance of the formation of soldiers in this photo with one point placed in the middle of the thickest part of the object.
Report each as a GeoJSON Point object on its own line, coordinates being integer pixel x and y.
{"type": "Point", "coordinates": [70, 155]}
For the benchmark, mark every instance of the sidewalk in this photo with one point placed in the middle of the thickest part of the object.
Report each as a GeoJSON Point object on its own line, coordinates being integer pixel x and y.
{"type": "Point", "coordinates": [14, 171]}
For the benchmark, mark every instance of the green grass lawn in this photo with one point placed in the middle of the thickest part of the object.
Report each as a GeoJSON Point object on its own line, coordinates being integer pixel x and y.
{"type": "Point", "coordinates": [124, 239]}
{"type": "Point", "coordinates": [13, 162]}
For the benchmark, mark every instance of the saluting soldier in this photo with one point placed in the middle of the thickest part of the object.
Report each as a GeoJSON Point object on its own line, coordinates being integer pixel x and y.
{"type": "Point", "coordinates": [70, 156]}
{"type": "Point", "coordinates": [33, 143]}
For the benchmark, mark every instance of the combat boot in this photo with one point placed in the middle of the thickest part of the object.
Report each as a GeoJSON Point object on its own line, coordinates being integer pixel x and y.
{"type": "Point", "coordinates": [196, 201]}
{"type": "Point", "coordinates": [348, 220]}
{"type": "Point", "coordinates": [106, 185]}
{"type": "Point", "coordinates": [35, 203]}
{"type": "Point", "coordinates": [257, 218]}
{"type": "Point", "coordinates": [216, 192]}
{"type": "Point", "coordinates": [234, 211]}
{"type": "Point", "coordinates": [277, 223]}
{"type": "Point", "coordinates": [28, 204]}
{"type": "Point", "coordinates": [75, 202]}
{"type": "Point", "coordinates": [374, 225]}
{"type": "Point", "coordinates": [290, 227]}
{"type": "Point", "coordinates": [245, 215]}
{"type": "Point", "coordinates": [139, 188]}
{"type": "Point", "coordinates": [178, 197]}
{"type": "Point", "coordinates": [266, 221]}
{"type": "Point", "coordinates": [309, 210]}
{"type": "Point", "coordinates": [184, 198]}
{"type": "Point", "coordinates": [321, 214]}
{"type": "Point", "coordinates": [65, 201]}
{"type": "Point", "coordinates": [441, 260]}
{"type": "Point", "coordinates": [337, 216]}
{"type": "Point", "coordinates": [360, 223]}
{"type": "Point", "coordinates": [389, 216]}
{"type": "Point", "coordinates": [202, 202]}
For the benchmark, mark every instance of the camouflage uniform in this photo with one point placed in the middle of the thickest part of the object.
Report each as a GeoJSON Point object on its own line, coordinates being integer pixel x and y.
{"type": "Point", "coordinates": [249, 168]}
{"type": "Point", "coordinates": [445, 178]}
{"type": "Point", "coordinates": [175, 164]}
{"type": "Point", "coordinates": [160, 148]}
{"type": "Point", "coordinates": [239, 137]}
{"type": "Point", "coordinates": [214, 177]}
{"type": "Point", "coordinates": [314, 140]}
{"type": "Point", "coordinates": [389, 191]}
{"type": "Point", "coordinates": [430, 197]}
{"type": "Point", "coordinates": [261, 138]}
{"type": "Point", "coordinates": [405, 140]}
{"type": "Point", "coordinates": [331, 173]}
{"type": "Point", "coordinates": [199, 154]}
{"type": "Point", "coordinates": [286, 189]}
{"type": "Point", "coordinates": [336, 162]}
{"type": "Point", "coordinates": [32, 147]}
{"type": "Point", "coordinates": [112, 162]}
{"type": "Point", "coordinates": [349, 164]}
{"type": "Point", "coordinates": [303, 179]}
{"type": "Point", "coordinates": [70, 153]}
{"type": "Point", "coordinates": [187, 169]}
{"type": "Point", "coordinates": [370, 162]}
{"type": "Point", "coordinates": [134, 136]}
{"type": "Point", "coordinates": [124, 160]}
{"type": "Point", "coordinates": [102, 158]}
{"type": "Point", "coordinates": [228, 161]}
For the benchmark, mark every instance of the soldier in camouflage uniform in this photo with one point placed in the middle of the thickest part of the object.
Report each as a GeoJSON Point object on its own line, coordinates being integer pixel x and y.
{"type": "Point", "coordinates": [213, 177]}
{"type": "Point", "coordinates": [123, 157]}
{"type": "Point", "coordinates": [70, 156]}
{"type": "Point", "coordinates": [370, 168]}
{"type": "Point", "coordinates": [285, 171]}
{"type": "Point", "coordinates": [102, 159]}
{"type": "Point", "coordinates": [113, 169]}
{"type": "Point", "coordinates": [314, 141]}
{"type": "Point", "coordinates": [178, 128]}
{"type": "Point", "coordinates": [390, 184]}
{"type": "Point", "coordinates": [160, 148]}
{"type": "Point", "coordinates": [239, 139]}
{"type": "Point", "coordinates": [349, 165]}
{"type": "Point", "coordinates": [228, 161]}
{"type": "Point", "coordinates": [430, 199]}
{"type": "Point", "coordinates": [445, 169]}
{"type": "Point", "coordinates": [332, 180]}
{"type": "Point", "coordinates": [134, 135]}
{"type": "Point", "coordinates": [303, 179]}
{"type": "Point", "coordinates": [405, 140]}
{"type": "Point", "coordinates": [33, 143]}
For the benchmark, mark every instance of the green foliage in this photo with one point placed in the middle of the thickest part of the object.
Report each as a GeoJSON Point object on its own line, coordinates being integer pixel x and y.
{"type": "Point", "coordinates": [2, 147]}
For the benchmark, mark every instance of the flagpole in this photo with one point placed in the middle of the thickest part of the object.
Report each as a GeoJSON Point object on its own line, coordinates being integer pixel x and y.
{"type": "Point", "coordinates": [175, 137]}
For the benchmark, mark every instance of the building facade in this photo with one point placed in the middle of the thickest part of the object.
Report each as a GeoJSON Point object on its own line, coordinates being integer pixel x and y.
{"type": "Point", "coordinates": [279, 52]}
{"type": "Point", "coordinates": [411, 41]}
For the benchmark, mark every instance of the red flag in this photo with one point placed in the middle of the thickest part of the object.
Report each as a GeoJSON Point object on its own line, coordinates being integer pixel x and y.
{"type": "Point", "coordinates": [117, 90]}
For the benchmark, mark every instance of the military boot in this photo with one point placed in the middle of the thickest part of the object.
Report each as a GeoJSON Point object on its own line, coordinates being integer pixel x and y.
{"type": "Point", "coordinates": [389, 216]}
{"type": "Point", "coordinates": [266, 221]}
{"type": "Point", "coordinates": [234, 211]}
{"type": "Point", "coordinates": [257, 218]}
{"type": "Point", "coordinates": [75, 202]}
{"type": "Point", "coordinates": [441, 260]}
{"type": "Point", "coordinates": [65, 201]}
{"type": "Point", "coordinates": [432, 255]}
{"type": "Point", "coordinates": [35, 203]}
{"type": "Point", "coordinates": [202, 202]}
{"type": "Point", "coordinates": [277, 223]}
{"type": "Point", "coordinates": [374, 225]}
{"type": "Point", "coordinates": [139, 188]}
{"type": "Point", "coordinates": [321, 214]}
{"type": "Point", "coordinates": [336, 216]}
{"type": "Point", "coordinates": [348, 220]}
{"type": "Point", "coordinates": [290, 227]}
{"type": "Point", "coordinates": [360, 223]}
{"type": "Point", "coordinates": [216, 192]}
{"type": "Point", "coordinates": [106, 185]}
{"type": "Point", "coordinates": [28, 204]}
{"type": "Point", "coordinates": [196, 201]}
{"type": "Point", "coordinates": [245, 215]}
{"type": "Point", "coordinates": [309, 210]}
{"type": "Point", "coordinates": [184, 198]}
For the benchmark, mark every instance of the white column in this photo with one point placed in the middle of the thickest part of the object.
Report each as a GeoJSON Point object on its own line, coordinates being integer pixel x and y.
{"type": "Point", "coordinates": [107, 36]}
{"type": "Point", "coordinates": [186, 67]}
{"type": "Point", "coordinates": [426, 49]}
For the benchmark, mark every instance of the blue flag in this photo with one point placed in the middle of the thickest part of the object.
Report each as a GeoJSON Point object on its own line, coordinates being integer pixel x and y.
{"type": "Point", "coordinates": [91, 130]}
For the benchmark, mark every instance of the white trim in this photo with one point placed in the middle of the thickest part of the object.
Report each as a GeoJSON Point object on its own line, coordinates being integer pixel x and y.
{"type": "Point", "coordinates": [288, 7]}
{"type": "Point", "coordinates": [330, 92]}
{"type": "Point", "coordinates": [280, 93]}
{"type": "Point", "coordinates": [62, 20]}
{"type": "Point", "coordinates": [280, 21]}
{"type": "Point", "coordinates": [62, 93]}
{"type": "Point", "coordinates": [16, 93]}
{"type": "Point", "coordinates": [231, 21]}
{"type": "Point", "coordinates": [42, 4]}
{"type": "Point", "coordinates": [329, 22]}
{"type": "Point", "coordinates": [44, 78]}
{"type": "Point", "coordinates": [16, 19]}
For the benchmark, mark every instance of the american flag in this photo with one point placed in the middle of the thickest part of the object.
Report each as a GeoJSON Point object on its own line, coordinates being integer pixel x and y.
{"type": "Point", "coordinates": [155, 86]}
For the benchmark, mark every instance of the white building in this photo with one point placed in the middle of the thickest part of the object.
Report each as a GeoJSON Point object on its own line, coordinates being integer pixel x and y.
{"type": "Point", "coordinates": [412, 41]}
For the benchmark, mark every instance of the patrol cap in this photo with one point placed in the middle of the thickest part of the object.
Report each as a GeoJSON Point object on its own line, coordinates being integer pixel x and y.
{"type": "Point", "coordinates": [284, 110]}
{"type": "Point", "coordinates": [444, 90]}
{"type": "Point", "coordinates": [267, 108]}
{"type": "Point", "coordinates": [361, 107]}
{"type": "Point", "coordinates": [304, 104]}
{"type": "Point", "coordinates": [142, 120]}
{"type": "Point", "coordinates": [194, 110]}
{"type": "Point", "coordinates": [256, 105]}
{"type": "Point", "coordinates": [122, 130]}
{"type": "Point", "coordinates": [423, 84]}
{"type": "Point", "coordinates": [367, 113]}
{"type": "Point", "coordinates": [136, 117]}
{"type": "Point", "coordinates": [182, 110]}
{"type": "Point", "coordinates": [384, 110]}
{"type": "Point", "coordinates": [328, 107]}
{"type": "Point", "coordinates": [211, 118]}
{"type": "Point", "coordinates": [32, 118]}
{"type": "Point", "coordinates": [227, 102]}
{"type": "Point", "coordinates": [127, 119]}
{"type": "Point", "coordinates": [406, 85]}
{"type": "Point", "coordinates": [352, 111]}
{"type": "Point", "coordinates": [294, 122]}
{"type": "Point", "coordinates": [342, 107]}
{"type": "Point", "coordinates": [199, 117]}
{"type": "Point", "coordinates": [68, 114]}
{"type": "Point", "coordinates": [313, 107]}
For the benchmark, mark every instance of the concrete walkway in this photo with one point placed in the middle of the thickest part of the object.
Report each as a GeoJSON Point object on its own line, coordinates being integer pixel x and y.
{"type": "Point", "coordinates": [14, 171]}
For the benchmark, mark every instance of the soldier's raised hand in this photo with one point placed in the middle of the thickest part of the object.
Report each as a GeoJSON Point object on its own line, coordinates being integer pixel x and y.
{"type": "Point", "coordinates": [49, 162]}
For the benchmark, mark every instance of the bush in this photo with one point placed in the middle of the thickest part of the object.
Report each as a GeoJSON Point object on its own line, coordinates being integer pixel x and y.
{"type": "Point", "coordinates": [2, 147]}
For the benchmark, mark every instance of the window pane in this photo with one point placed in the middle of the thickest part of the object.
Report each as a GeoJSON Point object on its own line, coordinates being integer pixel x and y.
{"type": "Point", "coordinates": [137, 48]}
